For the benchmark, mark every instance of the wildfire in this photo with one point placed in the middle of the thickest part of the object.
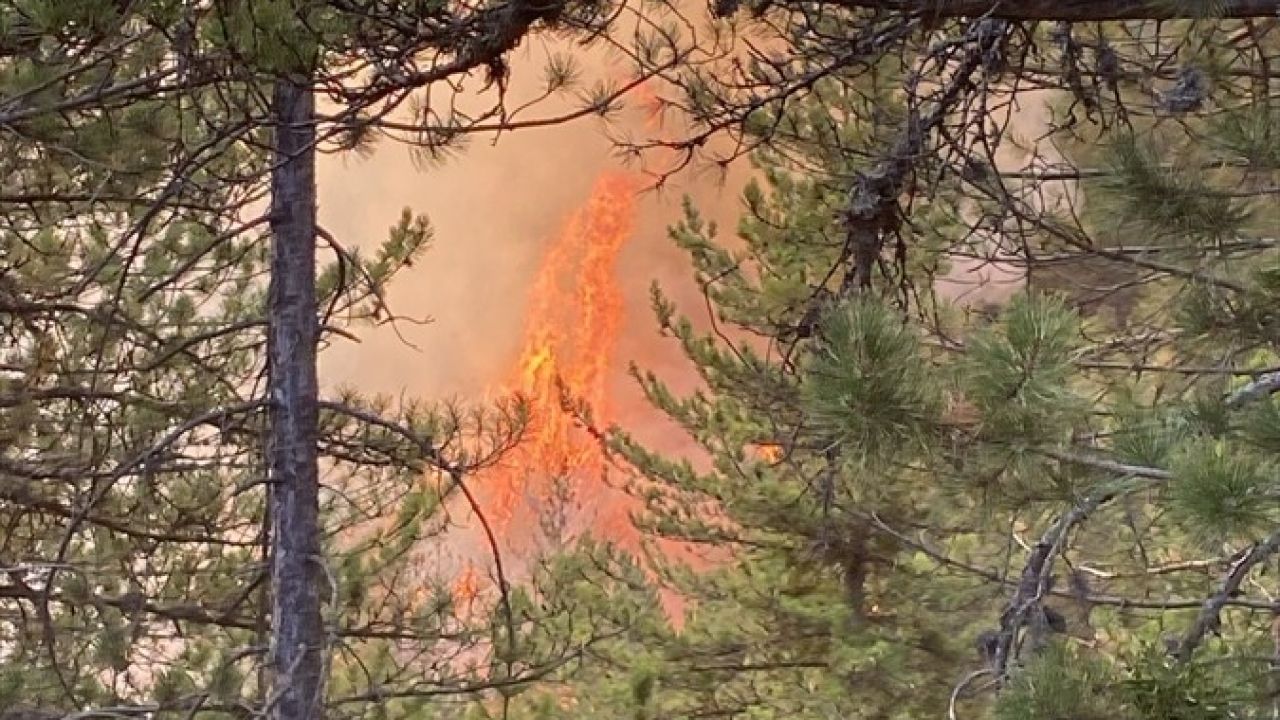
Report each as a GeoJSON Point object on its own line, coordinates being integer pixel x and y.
{"type": "Point", "coordinates": [769, 452]}
{"type": "Point", "coordinates": [467, 587]}
{"type": "Point", "coordinates": [574, 316]}
{"type": "Point", "coordinates": [572, 322]}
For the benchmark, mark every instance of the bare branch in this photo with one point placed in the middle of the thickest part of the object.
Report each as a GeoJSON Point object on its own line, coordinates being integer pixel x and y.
{"type": "Point", "coordinates": [1208, 620]}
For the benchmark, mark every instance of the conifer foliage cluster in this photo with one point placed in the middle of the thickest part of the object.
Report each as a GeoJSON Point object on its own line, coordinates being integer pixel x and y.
{"type": "Point", "coordinates": [1048, 494]}
{"type": "Point", "coordinates": [986, 423]}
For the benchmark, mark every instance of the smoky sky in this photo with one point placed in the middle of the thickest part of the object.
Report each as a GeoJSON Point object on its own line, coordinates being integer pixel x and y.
{"type": "Point", "coordinates": [495, 206]}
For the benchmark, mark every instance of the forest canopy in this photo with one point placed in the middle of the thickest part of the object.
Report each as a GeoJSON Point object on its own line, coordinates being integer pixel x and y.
{"type": "Point", "coordinates": [987, 386]}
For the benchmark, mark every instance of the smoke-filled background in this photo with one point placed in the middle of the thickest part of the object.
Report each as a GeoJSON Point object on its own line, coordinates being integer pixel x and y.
{"type": "Point", "coordinates": [498, 208]}
{"type": "Point", "coordinates": [495, 207]}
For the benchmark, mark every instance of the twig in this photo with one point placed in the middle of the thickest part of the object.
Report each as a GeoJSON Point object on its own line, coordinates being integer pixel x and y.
{"type": "Point", "coordinates": [1262, 387]}
{"type": "Point", "coordinates": [959, 688]}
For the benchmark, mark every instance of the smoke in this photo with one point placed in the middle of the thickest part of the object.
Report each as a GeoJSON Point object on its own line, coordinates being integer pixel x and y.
{"type": "Point", "coordinates": [494, 207]}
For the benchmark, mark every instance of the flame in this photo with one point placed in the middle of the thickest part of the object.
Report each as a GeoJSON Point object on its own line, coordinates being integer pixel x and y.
{"type": "Point", "coordinates": [573, 319]}
{"type": "Point", "coordinates": [467, 588]}
{"type": "Point", "coordinates": [572, 323]}
{"type": "Point", "coordinates": [769, 452]}
{"type": "Point", "coordinates": [574, 315]}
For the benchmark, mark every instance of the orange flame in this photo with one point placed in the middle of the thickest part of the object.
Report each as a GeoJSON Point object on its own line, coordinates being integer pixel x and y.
{"type": "Point", "coordinates": [467, 587]}
{"type": "Point", "coordinates": [769, 452]}
{"type": "Point", "coordinates": [573, 319]}
{"type": "Point", "coordinates": [574, 316]}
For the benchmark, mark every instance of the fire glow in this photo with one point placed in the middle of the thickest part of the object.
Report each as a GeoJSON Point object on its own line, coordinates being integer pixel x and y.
{"type": "Point", "coordinates": [571, 328]}
{"type": "Point", "coordinates": [574, 316]}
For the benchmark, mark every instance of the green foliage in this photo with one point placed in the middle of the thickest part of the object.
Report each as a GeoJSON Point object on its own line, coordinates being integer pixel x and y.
{"type": "Point", "coordinates": [1157, 688]}
{"type": "Point", "coordinates": [12, 687]}
{"type": "Point", "coordinates": [872, 469]}
{"type": "Point", "coordinates": [1161, 201]}
{"type": "Point", "coordinates": [1247, 314]}
{"type": "Point", "coordinates": [132, 348]}
{"type": "Point", "coordinates": [805, 600]}
{"type": "Point", "coordinates": [1222, 491]}
{"type": "Point", "coordinates": [1252, 133]}
{"type": "Point", "coordinates": [1150, 436]}
{"type": "Point", "coordinates": [867, 387]}
{"type": "Point", "coordinates": [1259, 426]}
{"type": "Point", "coordinates": [1018, 373]}
{"type": "Point", "coordinates": [1058, 684]}
{"type": "Point", "coordinates": [270, 35]}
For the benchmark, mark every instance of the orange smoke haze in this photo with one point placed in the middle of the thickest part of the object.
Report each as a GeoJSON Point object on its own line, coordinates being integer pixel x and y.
{"type": "Point", "coordinates": [496, 208]}
{"type": "Point", "coordinates": [541, 269]}
{"type": "Point", "coordinates": [538, 280]}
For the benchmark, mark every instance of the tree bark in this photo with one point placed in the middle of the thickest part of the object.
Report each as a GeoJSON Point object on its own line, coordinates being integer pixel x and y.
{"type": "Point", "coordinates": [1076, 10]}
{"type": "Point", "coordinates": [298, 640]}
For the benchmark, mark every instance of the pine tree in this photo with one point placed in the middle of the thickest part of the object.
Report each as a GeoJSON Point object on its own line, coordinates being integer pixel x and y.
{"type": "Point", "coordinates": [820, 422]}
{"type": "Point", "coordinates": [134, 312]}
{"type": "Point", "coordinates": [150, 479]}
{"type": "Point", "coordinates": [1060, 506]}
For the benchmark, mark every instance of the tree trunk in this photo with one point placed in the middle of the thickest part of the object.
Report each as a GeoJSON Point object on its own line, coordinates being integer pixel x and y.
{"type": "Point", "coordinates": [298, 639]}
{"type": "Point", "coordinates": [1074, 10]}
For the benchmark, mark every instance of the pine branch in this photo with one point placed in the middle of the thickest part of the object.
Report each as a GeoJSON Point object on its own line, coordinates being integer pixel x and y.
{"type": "Point", "coordinates": [1118, 601]}
{"type": "Point", "coordinates": [422, 443]}
{"type": "Point", "coordinates": [456, 476]}
{"type": "Point", "coordinates": [526, 676]}
{"type": "Point", "coordinates": [1111, 466]}
{"type": "Point", "coordinates": [872, 209]}
{"type": "Point", "coordinates": [19, 497]}
{"type": "Point", "coordinates": [1209, 621]}
{"type": "Point", "coordinates": [201, 615]}
{"type": "Point", "coordinates": [494, 32]}
{"type": "Point", "coordinates": [1262, 387]}
{"type": "Point", "coordinates": [1034, 581]}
